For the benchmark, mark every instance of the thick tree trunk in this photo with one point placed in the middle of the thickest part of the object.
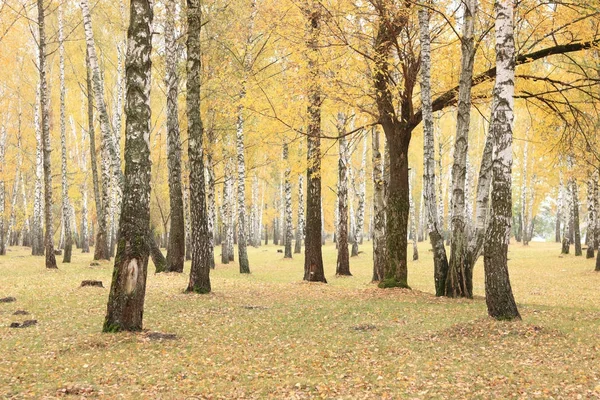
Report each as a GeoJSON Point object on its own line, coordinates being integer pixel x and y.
{"type": "Point", "coordinates": [300, 227]}
{"type": "Point", "coordinates": [176, 247]}
{"type": "Point", "coordinates": [289, 232]}
{"type": "Point", "coordinates": [188, 224]}
{"type": "Point", "coordinates": [343, 260]}
{"type": "Point", "coordinates": [440, 260]}
{"type": "Point", "coordinates": [66, 206]}
{"type": "Point", "coordinates": [47, 148]}
{"type": "Point", "coordinates": [125, 307]}
{"type": "Point", "coordinates": [455, 280]}
{"type": "Point", "coordinates": [379, 242]}
{"type": "Point", "coordinates": [201, 250]}
{"type": "Point", "coordinates": [313, 256]}
{"type": "Point", "coordinates": [499, 297]}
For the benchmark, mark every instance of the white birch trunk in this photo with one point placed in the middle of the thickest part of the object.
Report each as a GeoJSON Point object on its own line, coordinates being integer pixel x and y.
{"type": "Point", "coordinates": [289, 233]}
{"type": "Point", "coordinates": [429, 197]}
{"type": "Point", "coordinates": [66, 206]}
{"type": "Point", "coordinates": [499, 297]}
{"type": "Point", "coordinates": [37, 226]}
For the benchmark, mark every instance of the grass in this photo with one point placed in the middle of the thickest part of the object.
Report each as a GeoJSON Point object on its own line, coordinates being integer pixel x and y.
{"type": "Point", "coordinates": [268, 335]}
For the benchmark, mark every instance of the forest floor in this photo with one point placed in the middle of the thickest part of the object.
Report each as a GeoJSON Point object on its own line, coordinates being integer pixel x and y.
{"type": "Point", "coordinates": [269, 335]}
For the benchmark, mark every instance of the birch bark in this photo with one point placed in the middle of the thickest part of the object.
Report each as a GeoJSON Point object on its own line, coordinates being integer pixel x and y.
{"type": "Point", "coordinates": [499, 297]}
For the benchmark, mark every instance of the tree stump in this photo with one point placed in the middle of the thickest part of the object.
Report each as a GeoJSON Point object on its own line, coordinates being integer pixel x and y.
{"type": "Point", "coordinates": [9, 299]}
{"type": "Point", "coordinates": [91, 283]}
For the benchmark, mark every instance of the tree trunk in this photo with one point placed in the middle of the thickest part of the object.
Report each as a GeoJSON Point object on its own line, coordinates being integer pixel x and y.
{"type": "Point", "coordinates": [66, 206]}
{"type": "Point", "coordinates": [575, 211]}
{"type": "Point", "coordinates": [110, 156]}
{"type": "Point", "coordinates": [440, 260]}
{"type": "Point", "coordinates": [289, 233]}
{"type": "Point", "coordinates": [343, 260]}
{"type": "Point", "coordinates": [477, 239]}
{"type": "Point", "coordinates": [226, 245]}
{"type": "Point", "coordinates": [3, 136]}
{"type": "Point", "coordinates": [591, 230]}
{"type": "Point", "coordinates": [210, 197]}
{"type": "Point", "coordinates": [313, 256]}
{"type": "Point", "coordinates": [300, 227]}
{"type": "Point", "coordinates": [413, 222]}
{"type": "Point", "coordinates": [37, 226]}
{"type": "Point", "coordinates": [379, 242]}
{"type": "Point", "coordinates": [101, 250]}
{"type": "Point", "coordinates": [241, 192]}
{"type": "Point", "coordinates": [47, 148]}
{"type": "Point", "coordinates": [176, 247]}
{"type": "Point", "coordinates": [361, 193]}
{"type": "Point", "coordinates": [499, 297]}
{"type": "Point", "coordinates": [524, 218]}
{"type": "Point", "coordinates": [158, 259]}
{"type": "Point", "coordinates": [455, 280]}
{"type": "Point", "coordinates": [125, 307]}
{"type": "Point", "coordinates": [201, 250]}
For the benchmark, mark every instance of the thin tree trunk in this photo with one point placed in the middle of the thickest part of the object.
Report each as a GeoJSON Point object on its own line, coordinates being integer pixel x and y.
{"type": "Point", "coordinates": [379, 241]}
{"type": "Point", "coordinates": [66, 206]}
{"type": "Point", "coordinates": [575, 211]}
{"type": "Point", "coordinates": [101, 250]}
{"type": "Point", "coordinates": [455, 280]}
{"type": "Point", "coordinates": [47, 148]}
{"type": "Point", "coordinates": [125, 307]}
{"type": "Point", "coordinates": [210, 197]}
{"type": "Point", "coordinates": [499, 297]}
{"type": "Point", "coordinates": [436, 238]}
{"type": "Point", "coordinates": [300, 226]}
{"type": "Point", "coordinates": [109, 153]}
{"type": "Point", "coordinates": [313, 256]}
{"type": "Point", "coordinates": [176, 247]}
{"type": "Point", "coordinates": [360, 212]}
{"type": "Point", "coordinates": [3, 136]}
{"type": "Point", "coordinates": [289, 233]}
{"type": "Point", "coordinates": [343, 259]}
{"type": "Point", "coordinates": [201, 250]}
{"type": "Point", "coordinates": [524, 217]}
{"type": "Point", "coordinates": [241, 193]}
{"type": "Point", "coordinates": [413, 222]}
{"type": "Point", "coordinates": [37, 226]}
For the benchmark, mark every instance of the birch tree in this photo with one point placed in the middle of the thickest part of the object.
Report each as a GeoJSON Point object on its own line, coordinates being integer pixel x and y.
{"type": "Point", "coordinates": [201, 251]}
{"type": "Point", "coordinates": [46, 146]}
{"type": "Point", "coordinates": [37, 226]}
{"type": "Point", "coordinates": [313, 256]}
{"type": "Point", "coordinates": [289, 233]}
{"type": "Point", "coordinates": [66, 205]}
{"type": "Point", "coordinates": [361, 194]}
{"type": "Point", "coordinates": [343, 259]}
{"type": "Point", "coordinates": [591, 218]}
{"type": "Point", "coordinates": [301, 223]}
{"type": "Point", "coordinates": [440, 260]}
{"type": "Point", "coordinates": [125, 307]}
{"type": "Point", "coordinates": [3, 136]}
{"type": "Point", "coordinates": [498, 292]}
{"type": "Point", "coordinates": [455, 282]}
{"type": "Point", "coordinates": [176, 247]}
{"type": "Point", "coordinates": [379, 242]}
